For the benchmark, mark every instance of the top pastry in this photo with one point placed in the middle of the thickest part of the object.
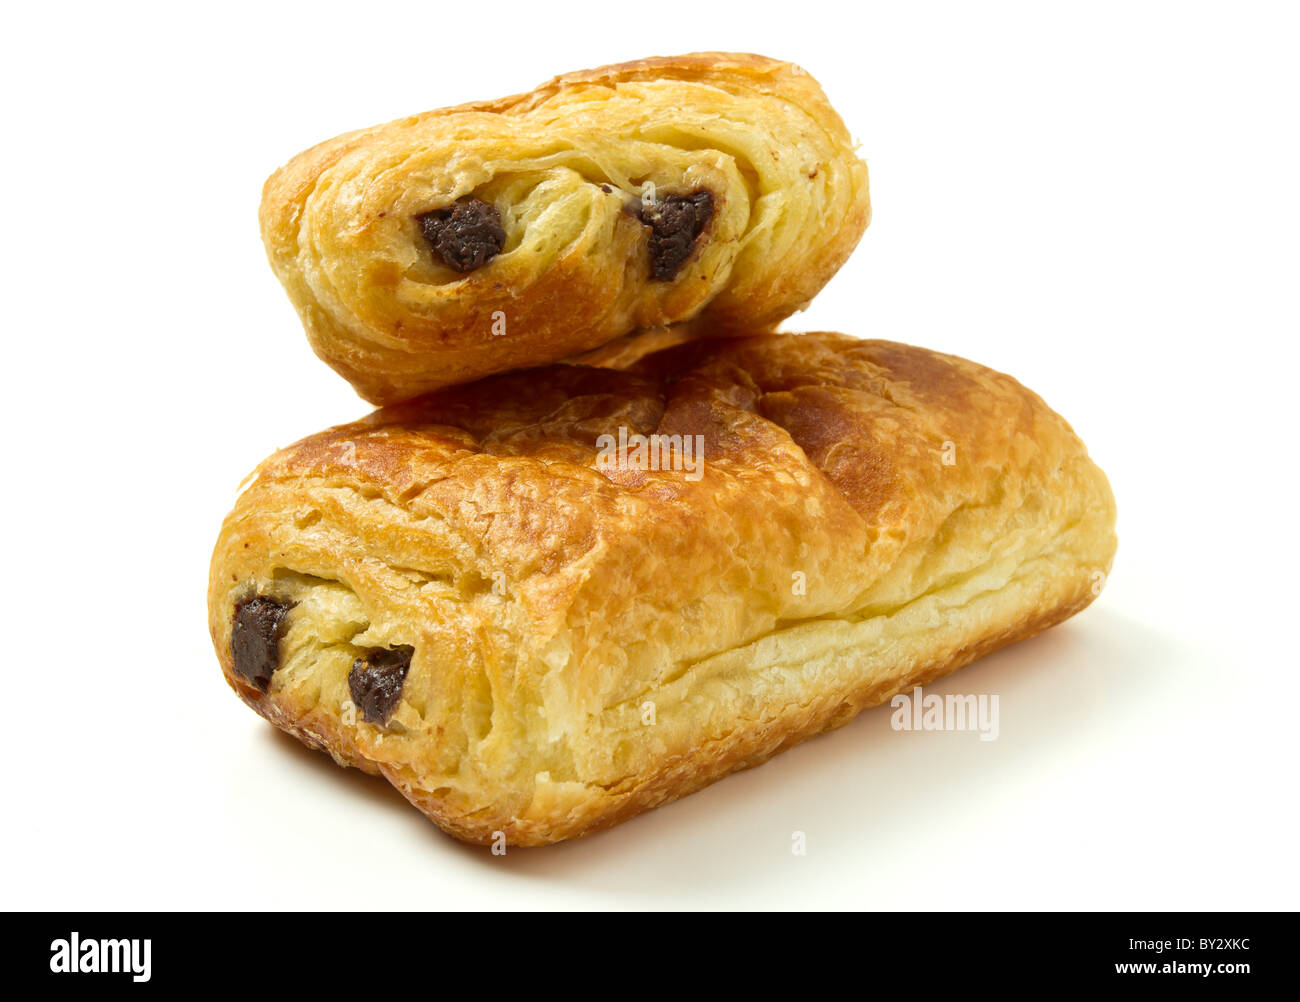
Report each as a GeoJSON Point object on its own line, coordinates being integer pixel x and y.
{"type": "Point", "coordinates": [447, 246]}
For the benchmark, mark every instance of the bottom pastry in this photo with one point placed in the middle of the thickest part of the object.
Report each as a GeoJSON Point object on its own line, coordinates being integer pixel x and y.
{"type": "Point", "coordinates": [545, 602]}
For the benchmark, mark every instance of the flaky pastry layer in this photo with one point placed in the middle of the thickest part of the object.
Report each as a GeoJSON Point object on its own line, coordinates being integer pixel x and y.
{"type": "Point", "coordinates": [581, 172]}
{"type": "Point", "coordinates": [588, 638]}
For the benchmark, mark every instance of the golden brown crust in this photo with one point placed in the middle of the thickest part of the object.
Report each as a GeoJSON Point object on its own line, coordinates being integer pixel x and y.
{"type": "Point", "coordinates": [868, 516]}
{"type": "Point", "coordinates": [564, 165]}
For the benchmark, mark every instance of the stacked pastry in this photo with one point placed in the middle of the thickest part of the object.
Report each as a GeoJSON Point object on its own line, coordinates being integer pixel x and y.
{"type": "Point", "coordinates": [611, 538]}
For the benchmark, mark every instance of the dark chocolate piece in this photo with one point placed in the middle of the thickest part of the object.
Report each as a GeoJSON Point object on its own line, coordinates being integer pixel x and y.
{"type": "Point", "coordinates": [464, 236]}
{"type": "Point", "coordinates": [376, 681]}
{"type": "Point", "coordinates": [676, 222]}
{"type": "Point", "coordinates": [255, 634]}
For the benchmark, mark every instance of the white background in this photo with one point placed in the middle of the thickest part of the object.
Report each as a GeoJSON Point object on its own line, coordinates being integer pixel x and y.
{"type": "Point", "coordinates": [1101, 199]}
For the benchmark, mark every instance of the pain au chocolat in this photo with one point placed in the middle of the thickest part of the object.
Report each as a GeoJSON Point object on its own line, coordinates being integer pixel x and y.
{"type": "Point", "coordinates": [450, 245]}
{"type": "Point", "coordinates": [545, 602]}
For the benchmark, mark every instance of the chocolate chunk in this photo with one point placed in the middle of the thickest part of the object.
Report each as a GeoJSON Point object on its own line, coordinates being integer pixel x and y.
{"type": "Point", "coordinates": [376, 681]}
{"type": "Point", "coordinates": [464, 236]}
{"type": "Point", "coordinates": [676, 222]}
{"type": "Point", "coordinates": [255, 638]}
